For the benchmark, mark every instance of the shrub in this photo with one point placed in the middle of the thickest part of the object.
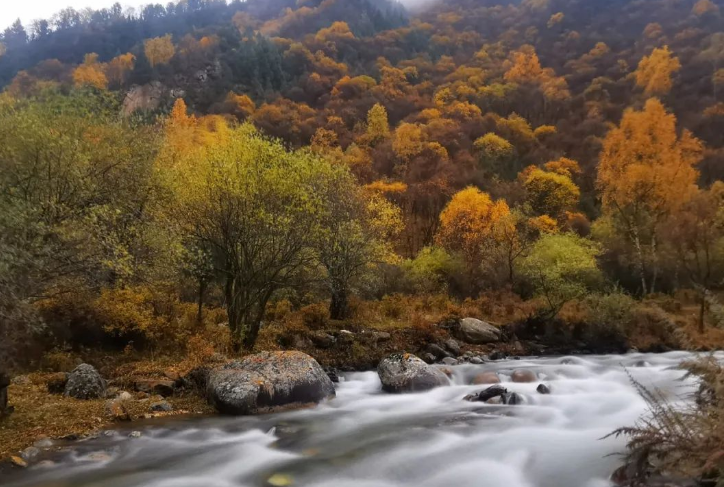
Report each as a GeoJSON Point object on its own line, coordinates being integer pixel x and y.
{"type": "Point", "coordinates": [315, 316]}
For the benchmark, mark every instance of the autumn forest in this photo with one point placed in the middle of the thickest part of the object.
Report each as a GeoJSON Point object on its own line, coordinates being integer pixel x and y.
{"type": "Point", "coordinates": [188, 185]}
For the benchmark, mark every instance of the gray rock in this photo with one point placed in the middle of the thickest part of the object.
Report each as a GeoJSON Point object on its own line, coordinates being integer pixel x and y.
{"type": "Point", "coordinates": [487, 394]}
{"type": "Point", "coordinates": [85, 383]}
{"type": "Point", "coordinates": [543, 389]}
{"type": "Point", "coordinates": [449, 361]}
{"type": "Point", "coordinates": [476, 360]}
{"type": "Point", "coordinates": [268, 380]}
{"type": "Point", "coordinates": [404, 372]}
{"type": "Point", "coordinates": [472, 330]}
{"type": "Point", "coordinates": [437, 351]}
{"type": "Point", "coordinates": [381, 336]}
{"type": "Point", "coordinates": [429, 358]}
{"type": "Point", "coordinates": [135, 434]}
{"type": "Point", "coordinates": [124, 396]}
{"type": "Point", "coordinates": [453, 347]}
{"type": "Point", "coordinates": [161, 406]}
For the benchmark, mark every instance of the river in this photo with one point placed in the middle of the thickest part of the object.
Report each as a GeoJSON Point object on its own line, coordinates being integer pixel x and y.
{"type": "Point", "coordinates": [366, 438]}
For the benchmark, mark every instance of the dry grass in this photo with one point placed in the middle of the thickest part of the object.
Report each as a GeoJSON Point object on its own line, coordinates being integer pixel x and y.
{"type": "Point", "coordinates": [685, 442]}
{"type": "Point", "coordinates": [39, 414]}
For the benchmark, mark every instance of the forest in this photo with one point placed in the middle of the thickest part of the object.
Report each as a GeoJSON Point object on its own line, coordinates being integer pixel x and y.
{"type": "Point", "coordinates": [212, 178]}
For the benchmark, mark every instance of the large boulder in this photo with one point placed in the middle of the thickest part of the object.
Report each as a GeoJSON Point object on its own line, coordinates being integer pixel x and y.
{"type": "Point", "coordinates": [85, 383]}
{"type": "Point", "coordinates": [268, 380]}
{"type": "Point", "coordinates": [404, 372]}
{"type": "Point", "coordinates": [472, 330]}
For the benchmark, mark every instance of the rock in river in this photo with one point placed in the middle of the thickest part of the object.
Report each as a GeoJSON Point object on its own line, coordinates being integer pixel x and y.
{"type": "Point", "coordinates": [85, 383]}
{"type": "Point", "coordinates": [523, 375]}
{"type": "Point", "coordinates": [472, 330]}
{"type": "Point", "coordinates": [404, 372]}
{"type": "Point", "coordinates": [268, 380]}
{"type": "Point", "coordinates": [486, 378]}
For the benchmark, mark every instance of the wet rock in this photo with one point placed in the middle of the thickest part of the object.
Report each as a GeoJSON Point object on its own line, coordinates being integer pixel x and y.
{"type": "Point", "coordinates": [447, 371]}
{"type": "Point", "coordinates": [116, 410]}
{"type": "Point", "coordinates": [56, 383]}
{"type": "Point", "coordinates": [43, 443]}
{"type": "Point", "coordinates": [84, 382]}
{"type": "Point", "coordinates": [523, 375]}
{"type": "Point", "coordinates": [18, 462]}
{"type": "Point", "coordinates": [498, 355]}
{"type": "Point", "coordinates": [99, 456]}
{"type": "Point", "coordinates": [45, 464]}
{"type": "Point", "coordinates": [30, 454]}
{"type": "Point", "coordinates": [486, 378]}
{"type": "Point", "coordinates": [512, 398]}
{"type": "Point", "coordinates": [161, 406]}
{"type": "Point", "coordinates": [543, 389]}
{"type": "Point", "coordinates": [267, 380]}
{"type": "Point", "coordinates": [452, 346]}
{"type": "Point", "coordinates": [476, 360]}
{"type": "Point", "coordinates": [332, 374]}
{"type": "Point", "coordinates": [486, 394]}
{"type": "Point", "coordinates": [151, 386]}
{"type": "Point", "coordinates": [472, 330]}
{"type": "Point", "coordinates": [404, 372]}
{"type": "Point", "coordinates": [135, 434]}
{"type": "Point", "coordinates": [449, 361]}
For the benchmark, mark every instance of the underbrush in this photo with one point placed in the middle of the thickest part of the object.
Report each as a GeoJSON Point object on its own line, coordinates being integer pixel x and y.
{"type": "Point", "coordinates": [680, 442]}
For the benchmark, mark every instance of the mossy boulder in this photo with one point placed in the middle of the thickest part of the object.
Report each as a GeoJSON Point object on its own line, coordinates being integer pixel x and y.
{"type": "Point", "coordinates": [84, 382]}
{"type": "Point", "coordinates": [404, 372]}
{"type": "Point", "coordinates": [266, 381]}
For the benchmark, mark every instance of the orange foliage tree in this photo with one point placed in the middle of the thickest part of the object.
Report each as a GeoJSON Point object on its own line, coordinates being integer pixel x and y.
{"type": "Point", "coordinates": [646, 171]}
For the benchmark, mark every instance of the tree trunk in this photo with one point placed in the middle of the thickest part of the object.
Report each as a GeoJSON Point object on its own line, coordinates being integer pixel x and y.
{"type": "Point", "coordinates": [339, 306]}
{"type": "Point", "coordinates": [702, 310]}
{"type": "Point", "coordinates": [640, 263]}
{"type": "Point", "coordinates": [233, 312]}
{"type": "Point", "coordinates": [202, 290]}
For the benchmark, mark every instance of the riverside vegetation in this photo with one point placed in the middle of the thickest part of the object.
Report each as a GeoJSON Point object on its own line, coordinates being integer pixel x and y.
{"type": "Point", "coordinates": [188, 184]}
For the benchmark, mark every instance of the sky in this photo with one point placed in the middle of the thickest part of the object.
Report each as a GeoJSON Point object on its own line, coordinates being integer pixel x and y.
{"type": "Point", "coordinates": [29, 10]}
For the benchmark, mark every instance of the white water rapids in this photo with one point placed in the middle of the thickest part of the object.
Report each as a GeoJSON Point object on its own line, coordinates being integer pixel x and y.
{"type": "Point", "coordinates": [366, 438]}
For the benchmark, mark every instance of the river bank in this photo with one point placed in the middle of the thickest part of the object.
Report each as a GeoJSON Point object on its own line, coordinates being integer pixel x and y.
{"type": "Point", "coordinates": [365, 436]}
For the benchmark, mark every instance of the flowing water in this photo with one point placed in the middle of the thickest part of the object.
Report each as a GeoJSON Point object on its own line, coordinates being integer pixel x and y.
{"type": "Point", "coordinates": [366, 438]}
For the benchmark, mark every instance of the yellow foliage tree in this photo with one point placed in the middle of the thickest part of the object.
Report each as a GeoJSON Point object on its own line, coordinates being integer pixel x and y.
{"type": "Point", "coordinates": [550, 193]}
{"type": "Point", "coordinates": [655, 70]}
{"type": "Point", "coordinates": [378, 128]}
{"type": "Point", "coordinates": [119, 67]}
{"type": "Point", "coordinates": [159, 50]}
{"type": "Point", "coordinates": [646, 171]}
{"type": "Point", "coordinates": [90, 73]}
{"type": "Point", "coordinates": [468, 222]}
